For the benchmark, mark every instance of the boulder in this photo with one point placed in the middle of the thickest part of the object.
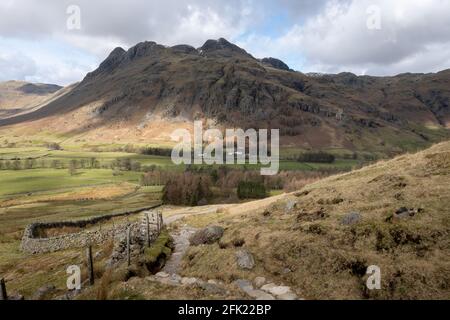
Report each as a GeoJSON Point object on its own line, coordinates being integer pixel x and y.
{"type": "Point", "coordinates": [16, 297]}
{"type": "Point", "coordinates": [259, 281]}
{"type": "Point", "coordinates": [162, 274]}
{"type": "Point", "coordinates": [260, 295]}
{"type": "Point", "coordinates": [211, 288]}
{"type": "Point", "coordinates": [290, 205]}
{"type": "Point", "coordinates": [244, 285]}
{"type": "Point", "coordinates": [404, 213]}
{"type": "Point", "coordinates": [188, 281]}
{"type": "Point", "coordinates": [164, 278]}
{"type": "Point", "coordinates": [256, 294]}
{"type": "Point", "coordinates": [351, 219]}
{"type": "Point", "coordinates": [207, 235]}
{"type": "Point", "coordinates": [245, 259]}
{"type": "Point", "coordinates": [288, 296]}
{"type": "Point", "coordinates": [43, 292]}
{"type": "Point", "coordinates": [276, 290]}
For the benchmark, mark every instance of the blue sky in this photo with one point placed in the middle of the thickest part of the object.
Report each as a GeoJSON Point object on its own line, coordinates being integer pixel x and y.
{"type": "Point", "coordinates": [377, 37]}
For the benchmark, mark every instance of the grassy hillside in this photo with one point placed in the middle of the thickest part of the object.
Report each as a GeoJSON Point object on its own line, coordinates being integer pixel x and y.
{"type": "Point", "coordinates": [309, 247]}
{"type": "Point", "coordinates": [297, 239]}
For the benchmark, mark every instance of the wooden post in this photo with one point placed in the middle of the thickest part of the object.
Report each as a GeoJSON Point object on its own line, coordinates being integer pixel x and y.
{"type": "Point", "coordinates": [128, 246]}
{"type": "Point", "coordinates": [3, 295]}
{"type": "Point", "coordinates": [147, 223]}
{"type": "Point", "coordinates": [90, 265]}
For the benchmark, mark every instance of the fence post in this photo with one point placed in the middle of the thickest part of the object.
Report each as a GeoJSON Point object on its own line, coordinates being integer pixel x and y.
{"type": "Point", "coordinates": [90, 264]}
{"type": "Point", "coordinates": [147, 224]}
{"type": "Point", "coordinates": [161, 221]}
{"type": "Point", "coordinates": [3, 295]}
{"type": "Point", "coordinates": [128, 246]}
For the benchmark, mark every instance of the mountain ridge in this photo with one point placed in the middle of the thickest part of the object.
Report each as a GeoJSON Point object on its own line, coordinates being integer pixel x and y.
{"type": "Point", "coordinates": [224, 85]}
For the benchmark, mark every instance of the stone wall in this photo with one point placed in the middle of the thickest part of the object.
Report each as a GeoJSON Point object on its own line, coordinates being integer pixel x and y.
{"type": "Point", "coordinates": [32, 243]}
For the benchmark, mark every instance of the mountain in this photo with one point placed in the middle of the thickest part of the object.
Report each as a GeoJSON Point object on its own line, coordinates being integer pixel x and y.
{"type": "Point", "coordinates": [19, 96]}
{"type": "Point", "coordinates": [144, 93]}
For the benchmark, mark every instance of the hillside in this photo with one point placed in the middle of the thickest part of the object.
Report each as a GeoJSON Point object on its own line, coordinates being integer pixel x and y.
{"type": "Point", "coordinates": [143, 94]}
{"type": "Point", "coordinates": [18, 97]}
{"type": "Point", "coordinates": [320, 240]}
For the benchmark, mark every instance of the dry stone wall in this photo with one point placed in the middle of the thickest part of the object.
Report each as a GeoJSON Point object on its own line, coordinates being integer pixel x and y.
{"type": "Point", "coordinates": [32, 243]}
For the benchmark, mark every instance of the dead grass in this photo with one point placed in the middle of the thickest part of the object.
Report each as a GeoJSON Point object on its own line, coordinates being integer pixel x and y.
{"type": "Point", "coordinates": [323, 259]}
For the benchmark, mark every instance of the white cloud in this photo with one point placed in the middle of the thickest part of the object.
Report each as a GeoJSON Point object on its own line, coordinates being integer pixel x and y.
{"type": "Point", "coordinates": [16, 66]}
{"type": "Point", "coordinates": [129, 22]}
{"type": "Point", "coordinates": [414, 36]}
{"type": "Point", "coordinates": [313, 35]}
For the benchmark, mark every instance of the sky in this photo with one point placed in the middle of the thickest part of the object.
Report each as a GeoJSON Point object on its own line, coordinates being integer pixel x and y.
{"type": "Point", "coordinates": [59, 41]}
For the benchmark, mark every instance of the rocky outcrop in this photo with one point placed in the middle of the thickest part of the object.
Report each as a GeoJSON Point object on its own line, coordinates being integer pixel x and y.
{"type": "Point", "coordinates": [221, 48]}
{"type": "Point", "coordinates": [275, 63]}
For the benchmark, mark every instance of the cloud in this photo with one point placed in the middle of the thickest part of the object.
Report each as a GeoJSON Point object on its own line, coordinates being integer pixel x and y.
{"type": "Point", "coordinates": [310, 35]}
{"type": "Point", "coordinates": [414, 35]}
{"type": "Point", "coordinates": [16, 66]}
{"type": "Point", "coordinates": [128, 22]}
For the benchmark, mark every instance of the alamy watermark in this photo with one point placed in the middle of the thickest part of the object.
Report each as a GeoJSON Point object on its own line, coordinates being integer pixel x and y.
{"type": "Point", "coordinates": [74, 279]}
{"type": "Point", "coordinates": [373, 21]}
{"type": "Point", "coordinates": [74, 17]}
{"type": "Point", "coordinates": [236, 147]}
{"type": "Point", "coordinates": [374, 280]}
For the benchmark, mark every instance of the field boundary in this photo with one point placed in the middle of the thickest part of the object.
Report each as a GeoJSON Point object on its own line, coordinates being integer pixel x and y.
{"type": "Point", "coordinates": [32, 243]}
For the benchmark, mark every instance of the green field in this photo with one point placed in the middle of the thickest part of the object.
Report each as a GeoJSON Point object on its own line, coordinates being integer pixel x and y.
{"type": "Point", "coordinates": [26, 181]}
{"type": "Point", "coordinates": [64, 156]}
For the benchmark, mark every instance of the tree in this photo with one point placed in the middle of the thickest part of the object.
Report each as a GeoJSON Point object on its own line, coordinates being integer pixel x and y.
{"type": "Point", "coordinates": [135, 166]}
{"type": "Point", "coordinates": [53, 146]}
{"type": "Point", "coordinates": [126, 164]}
{"type": "Point", "coordinates": [187, 189]}
{"type": "Point", "coordinates": [316, 157]}
{"type": "Point", "coordinates": [92, 163]}
{"type": "Point", "coordinates": [43, 164]}
{"type": "Point", "coordinates": [27, 164]}
{"type": "Point", "coordinates": [8, 165]}
{"type": "Point", "coordinates": [251, 190]}
{"type": "Point", "coordinates": [55, 164]}
{"type": "Point", "coordinates": [73, 167]}
{"type": "Point", "coordinates": [16, 165]}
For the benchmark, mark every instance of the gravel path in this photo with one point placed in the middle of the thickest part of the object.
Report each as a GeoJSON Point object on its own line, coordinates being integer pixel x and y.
{"type": "Point", "coordinates": [181, 236]}
{"type": "Point", "coordinates": [181, 239]}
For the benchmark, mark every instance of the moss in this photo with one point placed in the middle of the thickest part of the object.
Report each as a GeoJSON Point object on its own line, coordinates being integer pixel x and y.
{"type": "Point", "coordinates": [161, 248]}
{"type": "Point", "coordinates": [127, 294]}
